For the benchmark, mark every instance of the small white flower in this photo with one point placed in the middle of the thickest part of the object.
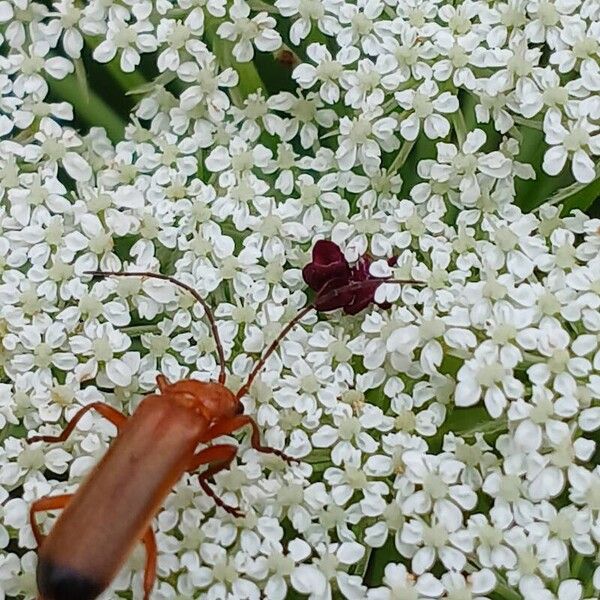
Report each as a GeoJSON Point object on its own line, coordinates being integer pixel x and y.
{"type": "Point", "coordinates": [258, 31]}
{"type": "Point", "coordinates": [306, 115]}
{"type": "Point", "coordinates": [492, 550]}
{"type": "Point", "coordinates": [219, 574]}
{"type": "Point", "coordinates": [276, 567]}
{"type": "Point", "coordinates": [475, 585]}
{"type": "Point", "coordinates": [534, 559]}
{"type": "Point", "coordinates": [66, 24]}
{"type": "Point", "coordinates": [327, 71]}
{"type": "Point", "coordinates": [584, 487]}
{"type": "Point", "coordinates": [425, 105]}
{"type": "Point", "coordinates": [315, 579]}
{"type": "Point", "coordinates": [43, 346]}
{"type": "Point", "coordinates": [351, 479]}
{"type": "Point", "coordinates": [99, 344]}
{"type": "Point", "coordinates": [57, 145]}
{"type": "Point", "coordinates": [307, 11]}
{"type": "Point", "coordinates": [362, 139]}
{"type": "Point", "coordinates": [576, 141]}
{"type": "Point", "coordinates": [360, 25]}
{"type": "Point", "coordinates": [29, 63]}
{"type": "Point", "coordinates": [485, 375]}
{"type": "Point", "coordinates": [463, 168]}
{"type": "Point", "coordinates": [127, 38]}
{"type": "Point", "coordinates": [349, 431]}
{"type": "Point", "coordinates": [437, 476]}
{"type": "Point", "coordinates": [175, 36]}
{"type": "Point", "coordinates": [399, 583]}
{"type": "Point", "coordinates": [427, 542]}
{"type": "Point", "coordinates": [206, 80]}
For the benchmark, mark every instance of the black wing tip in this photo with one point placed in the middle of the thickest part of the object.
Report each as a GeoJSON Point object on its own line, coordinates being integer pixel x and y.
{"type": "Point", "coordinates": [57, 582]}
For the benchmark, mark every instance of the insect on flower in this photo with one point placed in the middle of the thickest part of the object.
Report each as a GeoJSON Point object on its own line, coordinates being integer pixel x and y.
{"type": "Point", "coordinates": [113, 508]}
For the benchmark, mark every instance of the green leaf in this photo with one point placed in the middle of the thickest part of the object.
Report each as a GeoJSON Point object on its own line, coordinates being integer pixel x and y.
{"type": "Point", "coordinates": [82, 79]}
{"type": "Point", "coordinates": [123, 245]}
{"type": "Point", "coordinates": [166, 258]}
{"type": "Point", "coordinates": [126, 81]}
{"type": "Point", "coordinates": [18, 431]}
{"type": "Point", "coordinates": [92, 111]}
{"type": "Point", "coordinates": [466, 422]}
{"type": "Point", "coordinates": [401, 156]}
{"type": "Point", "coordinates": [533, 193]}
{"type": "Point", "coordinates": [379, 559]}
{"type": "Point", "coordinates": [275, 76]}
{"type": "Point", "coordinates": [376, 397]}
{"type": "Point", "coordinates": [422, 148]}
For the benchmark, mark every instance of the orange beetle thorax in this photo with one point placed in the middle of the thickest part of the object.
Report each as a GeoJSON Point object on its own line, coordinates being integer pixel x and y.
{"type": "Point", "coordinates": [211, 400]}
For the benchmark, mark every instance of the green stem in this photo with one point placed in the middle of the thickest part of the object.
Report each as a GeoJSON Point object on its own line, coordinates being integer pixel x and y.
{"type": "Point", "coordinates": [330, 134]}
{"type": "Point", "coordinates": [589, 590]}
{"type": "Point", "coordinates": [506, 591]}
{"type": "Point", "coordinates": [401, 157]}
{"type": "Point", "coordinates": [363, 565]}
{"type": "Point", "coordinates": [578, 195]}
{"type": "Point", "coordinates": [81, 76]}
{"type": "Point", "coordinates": [531, 123]}
{"type": "Point", "coordinates": [576, 566]}
{"type": "Point", "coordinates": [318, 456]}
{"type": "Point", "coordinates": [392, 104]}
{"type": "Point", "coordinates": [260, 6]}
{"type": "Point", "coordinates": [534, 359]}
{"type": "Point", "coordinates": [88, 106]}
{"type": "Point", "coordinates": [460, 126]}
{"type": "Point", "coordinates": [137, 330]}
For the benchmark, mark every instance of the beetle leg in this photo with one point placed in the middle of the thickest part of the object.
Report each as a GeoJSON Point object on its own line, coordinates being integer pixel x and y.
{"type": "Point", "coordinates": [108, 412]}
{"type": "Point", "coordinates": [229, 425]}
{"type": "Point", "coordinates": [42, 505]}
{"type": "Point", "coordinates": [149, 542]}
{"type": "Point", "coordinates": [162, 382]}
{"type": "Point", "coordinates": [221, 455]}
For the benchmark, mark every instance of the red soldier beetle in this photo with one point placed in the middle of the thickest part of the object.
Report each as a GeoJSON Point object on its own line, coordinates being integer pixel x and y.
{"type": "Point", "coordinates": [154, 447]}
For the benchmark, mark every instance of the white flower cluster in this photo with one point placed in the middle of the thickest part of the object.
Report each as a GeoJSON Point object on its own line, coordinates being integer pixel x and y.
{"type": "Point", "coordinates": [450, 437]}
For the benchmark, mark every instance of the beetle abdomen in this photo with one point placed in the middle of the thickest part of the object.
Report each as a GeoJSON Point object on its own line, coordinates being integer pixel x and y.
{"type": "Point", "coordinates": [112, 509]}
{"type": "Point", "coordinates": [57, 582]}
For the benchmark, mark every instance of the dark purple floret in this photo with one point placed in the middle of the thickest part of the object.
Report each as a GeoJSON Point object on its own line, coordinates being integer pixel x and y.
{"type": "Point", "coordinates": [336, 283]}
{"type": "Point", "coordinates": [328, 263]}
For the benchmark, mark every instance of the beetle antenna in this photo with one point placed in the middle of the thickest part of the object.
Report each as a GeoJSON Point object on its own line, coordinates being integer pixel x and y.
{"type": "Point", "coordinates": [352, 286]}
{"type": "Point", "coordinates": [263, 359]}
{"type": "Point", "coordinates": [187, 288]}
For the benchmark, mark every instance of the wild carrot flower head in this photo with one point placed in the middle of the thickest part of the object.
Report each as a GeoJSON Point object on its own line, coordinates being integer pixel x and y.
{"type": "Point", "coordinates": [450, 442]}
